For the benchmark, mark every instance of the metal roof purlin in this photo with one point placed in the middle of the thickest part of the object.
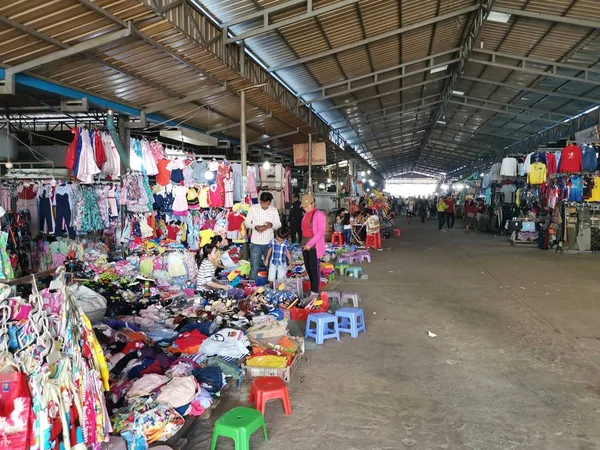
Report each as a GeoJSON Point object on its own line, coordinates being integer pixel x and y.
{"type": "Point", "coordinates": [548, 17]}
{"type": "Point", "coordinates": [472, 31]}
{"type": "Point", "coordinates": [267, 26]}
{"type": "Point", "coordinates": [522, 61]}
{"type": "Point", "coordinates": [401, 30]}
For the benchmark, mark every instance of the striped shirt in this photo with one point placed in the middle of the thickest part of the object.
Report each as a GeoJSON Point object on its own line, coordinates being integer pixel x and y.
{"type": "Point", "coordinates": [206, 273]}
{"type": "Point", "coordinates": [258, 216]}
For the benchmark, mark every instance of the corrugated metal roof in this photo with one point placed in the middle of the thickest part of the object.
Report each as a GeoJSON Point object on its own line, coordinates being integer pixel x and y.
{"type": "Point", "coordinates": [139, 72]}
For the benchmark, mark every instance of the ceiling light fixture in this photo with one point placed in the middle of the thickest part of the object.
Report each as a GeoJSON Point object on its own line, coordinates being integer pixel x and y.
{"type": "Point", "coordinates": [439, 69]}
{"type": "Point", "coordinates": [498, 17]}
{"type": "Point", "coordinates": [442, 122]}
{"type": "Point", "coordinates": [458, 93]}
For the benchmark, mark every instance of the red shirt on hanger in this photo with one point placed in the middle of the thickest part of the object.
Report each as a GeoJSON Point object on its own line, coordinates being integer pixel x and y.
{"type": "Point", "coordinates": [571, 159]}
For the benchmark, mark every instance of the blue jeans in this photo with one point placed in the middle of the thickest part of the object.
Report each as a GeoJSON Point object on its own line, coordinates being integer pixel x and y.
{"type": "Point", "coordinates": [347, 236]}
{"type": "Point", "coordinates": [257, 253]}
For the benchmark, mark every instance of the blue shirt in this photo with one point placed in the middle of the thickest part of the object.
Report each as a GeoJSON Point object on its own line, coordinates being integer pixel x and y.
{"type": "Point", "coordinates": [278, 253]}
{"type": "Point", "coordinates": [576, 190]}
{"type": "Point", "coordinates": [590, 160]}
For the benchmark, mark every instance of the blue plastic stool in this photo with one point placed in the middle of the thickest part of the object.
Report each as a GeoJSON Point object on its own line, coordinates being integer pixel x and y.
{"type": "Point", "coordinates": [321, 330]}
{"type": "Point", "coordinates": [355, 271]}
{"type": "Point", "coordinates": [352, 321]}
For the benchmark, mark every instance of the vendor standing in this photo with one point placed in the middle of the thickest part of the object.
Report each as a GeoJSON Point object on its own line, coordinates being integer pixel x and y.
{"type": "Point", "coordinates": [262, 219]}
{"type": "Point", "coordinates": [313, 241]}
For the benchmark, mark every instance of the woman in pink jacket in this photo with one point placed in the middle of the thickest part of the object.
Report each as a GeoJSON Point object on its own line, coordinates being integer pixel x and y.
{"type": "Point", "coordinates": [314, 224]}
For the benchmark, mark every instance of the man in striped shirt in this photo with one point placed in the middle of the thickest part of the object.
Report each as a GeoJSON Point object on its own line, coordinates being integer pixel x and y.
{"type": "Point", "coordinates": [262, 219]}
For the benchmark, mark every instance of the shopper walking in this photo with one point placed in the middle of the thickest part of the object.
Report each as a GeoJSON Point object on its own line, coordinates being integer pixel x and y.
{"type": "Point", "coordinates": [262, 219]}
{"type": "Point", "coordinates": [481, 216]}
{"type": "Point", "coordinates": [441, 208]}
{"type": "Point", "coordinates": [313, 231]}
{"type": "Point", "coordinates": [470, 212]}
{"type": "Point", "coordinates": [422, 209]}
{"type": "Point", "coordinates": [410, 210]}
{"type": "Point", "coordinates": [295, 220]}
{"type": "Point", "coordinates": [450, 212]}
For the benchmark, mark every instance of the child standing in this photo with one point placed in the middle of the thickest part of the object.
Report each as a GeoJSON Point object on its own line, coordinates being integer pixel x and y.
{"type": "Point", "coordinates": [279, 258]}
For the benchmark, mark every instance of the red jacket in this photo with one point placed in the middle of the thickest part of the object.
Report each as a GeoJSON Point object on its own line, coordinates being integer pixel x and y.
{"type": "Point", "coordinates": [571, 159]}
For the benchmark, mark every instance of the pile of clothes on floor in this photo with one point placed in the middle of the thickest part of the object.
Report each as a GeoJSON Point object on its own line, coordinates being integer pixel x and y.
{"type": "Point", "coordinates": [170, 357]}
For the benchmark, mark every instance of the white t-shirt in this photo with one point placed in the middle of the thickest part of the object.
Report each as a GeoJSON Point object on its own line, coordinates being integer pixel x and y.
{"type": "Point", "coordinates": [509, 167]}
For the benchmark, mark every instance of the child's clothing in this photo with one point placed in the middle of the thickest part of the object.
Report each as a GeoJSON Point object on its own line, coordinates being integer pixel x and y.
{"type": "Point", "coordinates": [278, 263]}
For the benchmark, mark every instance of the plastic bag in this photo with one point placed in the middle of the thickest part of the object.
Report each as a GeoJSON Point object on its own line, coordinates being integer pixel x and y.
{"type": "Point", "coordinates": [92, 303]}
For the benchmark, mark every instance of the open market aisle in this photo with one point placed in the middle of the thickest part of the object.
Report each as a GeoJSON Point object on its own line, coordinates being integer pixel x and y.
{"type": "Point", "coordinates": [515, 363]}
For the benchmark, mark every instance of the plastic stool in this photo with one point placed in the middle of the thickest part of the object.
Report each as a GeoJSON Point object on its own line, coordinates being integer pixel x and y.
{"type": "Point", "coordinates": [345, 258]}
{"type": "Point", "coordinates": [239, 424]}
{"type": "Point", "coordinates": [334, 294]}
{"type": "Point", "coordinates": [397, 232]}
{"type": "Point", "coordinates": [365, 257]}
{"type": "Point", "coordinates": [264, 389]}
{"type": "Point", "coordinates": [352, 321]}
{"type": "Point", "coordinates": [350, 296]}
{"type": "Point", "coordinates": [373, 241]}
{"type": "Point", "coordinates": [354, 272]}
{"type": "Point", "coordinates": [321, 331]}
{"type": "Point", "coordinates": [341, 267]}
{"type": "Point", "coordinates": [337, 238]}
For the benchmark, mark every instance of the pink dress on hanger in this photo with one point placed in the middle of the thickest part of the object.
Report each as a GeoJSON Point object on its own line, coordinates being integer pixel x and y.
{"type": "Point", "coordinates": [251, 183]}
{"type": "Point", "coordinates": [180, 204]}
{"type": "Point", "coordinates": [228, 184]}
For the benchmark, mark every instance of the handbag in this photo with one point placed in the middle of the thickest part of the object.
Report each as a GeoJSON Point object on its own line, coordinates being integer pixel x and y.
{"type": "Point", "coordinates": [16, 411]}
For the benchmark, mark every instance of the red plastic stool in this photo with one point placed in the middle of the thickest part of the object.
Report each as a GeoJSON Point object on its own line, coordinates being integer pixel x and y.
{"type": "Point", "coordinates": [337, 238]}
{"type": "Point", "coordinates": [397, 232]}
{"type": "Point", "coordinates": [264, 389]}
{"type": "Point", "coordinates": [373, 241]}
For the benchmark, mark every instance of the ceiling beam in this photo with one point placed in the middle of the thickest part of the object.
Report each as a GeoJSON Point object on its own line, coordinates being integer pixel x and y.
{"type": "Point", "coordinates": [277, 136]}
{"type": "Point", "coordinates": [529, 89]}
{"type": "Point", "coordinates": [472, 30]}
{"type": "Point", "coordinates": [267, 26]}
{"type": "Point", "coordinates": [383, 94]}
{"type": "Point", "coordinates": [376, 79]}
{"type": "Point", "coordinates": [195, 95]}
{"type": "Point", "coordinates": [378, 37]}
{"type": "Point", "coordinates": [519, 63]}
{"type": "Point", "coordinates": [410, 112]}
{"type": "Point", "coordinates": [8, 87]}
{"type": "Point", "coordinates": [484, 107]}
{"type": "Point", "coordinates": [548, 17]}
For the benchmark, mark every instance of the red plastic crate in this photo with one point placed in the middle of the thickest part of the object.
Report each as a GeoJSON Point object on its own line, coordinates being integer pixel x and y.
{"type": "Point", "coordinates": [302, 314]}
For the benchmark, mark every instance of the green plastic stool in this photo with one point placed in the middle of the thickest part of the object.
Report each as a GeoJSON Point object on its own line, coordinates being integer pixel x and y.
{"type": "Point", "coordinates": [239, 424]}
{"type": "Point", "coordinates": [341, 267]}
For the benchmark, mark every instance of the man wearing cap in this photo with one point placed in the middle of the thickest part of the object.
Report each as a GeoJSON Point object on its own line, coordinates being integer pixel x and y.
{"type": "Point", "coordinates": [262, 219]}
{"type": "Point", "coordinates": [314, 225]}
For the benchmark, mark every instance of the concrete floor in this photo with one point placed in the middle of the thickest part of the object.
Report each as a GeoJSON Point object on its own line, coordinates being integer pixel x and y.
{"type": "Point", "coordinates": [515, 363]}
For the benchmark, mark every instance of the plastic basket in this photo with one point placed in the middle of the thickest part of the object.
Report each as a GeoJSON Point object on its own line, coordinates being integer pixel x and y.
{"type": "Point", "coordinates": [285, 374]}
{"type": "Point", "coordinates": [302, 314]}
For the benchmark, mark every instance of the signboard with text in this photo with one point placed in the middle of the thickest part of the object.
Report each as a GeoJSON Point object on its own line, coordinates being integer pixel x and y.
{"type": "Point", "coordinates": [318, 154]}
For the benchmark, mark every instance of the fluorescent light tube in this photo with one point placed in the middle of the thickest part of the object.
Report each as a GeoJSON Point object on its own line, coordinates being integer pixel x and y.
{"type": "Point", "coordinates": [498, 17]}
{"type": "Point", "coordinates": [439, 69]}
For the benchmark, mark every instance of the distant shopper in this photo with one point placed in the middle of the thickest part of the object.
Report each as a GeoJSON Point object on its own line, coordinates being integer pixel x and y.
{"type": "Point", "coordinates": [279, 257]}
{"type": "Point", "coordinates": [481, 216]}
{"type": "Point", "coordinates": [262, 219]}
{"type": "Point", "coordinates": [220, 243]}
{"type": "Point", "coordinates": [441, 208]}
{"type": "Point", "coordinates": [314, 224]}
{"type": "Point", "coordinates": [422, 210]}
{"type": "Point", "coordinates": [470, 212]}
{"type": "Point", "coordinates": [450, 212]}
{"type": "Point", "coordinates": [410, 209]}
{"type": "Point", "coordinates": [295, 219]}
